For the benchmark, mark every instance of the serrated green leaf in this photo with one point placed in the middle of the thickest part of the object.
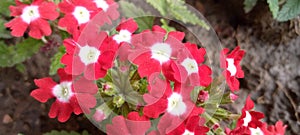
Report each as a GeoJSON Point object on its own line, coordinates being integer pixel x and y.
{"type": "Point", "coordinates": [290, 10]}
{"type": "Point", "coordinates": [55, 61]}
{"type": "Point", "coordinates": [160, 5]}
{"type": "Point", "coordinates": [142, 18]}
{"type": "Point", "coordinates": [249, 4]}
{"type": "Point", "coordinates": [274, 7]}
{"type": "Point", "coordinates": [12, 55]}
{"type": "Point", "coordinates": [180, 11]}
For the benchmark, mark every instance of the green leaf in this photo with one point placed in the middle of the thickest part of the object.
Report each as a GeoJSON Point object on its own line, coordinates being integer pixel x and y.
{"type": "Point", "coordinates": [4, 33]}
{"type": "Point", "coordinates": [180, 11]}
{"type": "Point", "coordinates": [249, 4]}
{"type": "Point", "coordinates": [290, 10]}
{"type": "Point", "coordinates": [142, 18]}
{"type": "Point", "coordinates": [274, 7]}
{"type": "Point", "coordinates": [21, 68]}
{"type": "Point", "coordinates": [55, 61]}
{"type": "Point", "coordinates": [160, 5]}
{"type": "Point", "coordinates": [4, 6]}
{"type": "Point", "coordinates": [12, 55]}
{"type": "Point", "coordinates": [55, 132]}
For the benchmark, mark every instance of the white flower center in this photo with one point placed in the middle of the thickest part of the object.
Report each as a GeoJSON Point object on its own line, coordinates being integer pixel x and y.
{"type": "Point", "coordinates": [89, 54]}
{"type": "Point", "coordinates": [175, 105]}
{"type": "Point", "coordinates": [63, 91]}
{"type": "Point", "coordinates": [247, 119]}
{"type": "Point", "coordinates": [187, 132]}
{"type": "Point", "coordinates": [256, 131]}
{"type": "Point", "coordinates": [123, 36]}
{"type": "Point", "coordinates": [81, 14]}
{"type": "Point", "coordinates": [231, 67]}
{"type": "Point", "coordinates": [30, 13]}
{"type": "Point", "coordinates": [161, 52]}
{"type": "Point", "coordinates": [102, 4]}
{"type": "Point", "coordinates": [190, 66]}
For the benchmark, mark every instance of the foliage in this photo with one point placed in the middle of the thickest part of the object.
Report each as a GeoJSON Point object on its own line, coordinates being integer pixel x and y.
{"type": "Point", "coordinates": [12, 55]}
{"type": "Point", "coordinates": [178, 10]}
{"type": "Point", "coordinates": [249, 4]}
{"type": "Point", "coordinates": [142, 18]}
{"type": "Point", "coordinates": [289, 10]}
{"type": "Point", "coordinates": [55, 132]}
{"type": "Point", "coordinates": [55, 61]}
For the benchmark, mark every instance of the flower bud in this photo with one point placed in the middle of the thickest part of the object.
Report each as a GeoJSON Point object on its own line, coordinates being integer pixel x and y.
{"type": "Point", "coordinates": [118, 101]}
{"type": "Point", "coordinates": [203, 96]}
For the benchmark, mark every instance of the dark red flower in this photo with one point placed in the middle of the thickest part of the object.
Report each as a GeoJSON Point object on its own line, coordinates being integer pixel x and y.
{"type": "Point", "coordinates": [68, 95]}
{"type": "Point", "coordinates": [231, 62]}
{"type": "Point", "coordinates": [34, 17]}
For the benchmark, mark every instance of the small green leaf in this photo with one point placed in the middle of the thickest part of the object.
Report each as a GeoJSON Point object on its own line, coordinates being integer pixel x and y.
{"type": "Point", "coordinates": [4, 6]}
{"type": "Point", "coordinates": [21, 68]}
{"type": "Point", "coordinates": [274, 7]}
{"type": "Point", "coordinates": [142, 18]}
{"type": "Point", "coordinates": [249, 4]}
{"type": "Point", "coordinates": [290, 10]}
{"type": "Point", "coordinates": [12, 55]}
{"type": "Point", "coordinates": [4, 33]}
{"type": "Point", "coordinates": [55, 61]}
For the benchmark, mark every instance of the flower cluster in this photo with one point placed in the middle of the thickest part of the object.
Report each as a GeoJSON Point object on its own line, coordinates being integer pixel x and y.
{"type": "Point", "coordinates": [149, 82]}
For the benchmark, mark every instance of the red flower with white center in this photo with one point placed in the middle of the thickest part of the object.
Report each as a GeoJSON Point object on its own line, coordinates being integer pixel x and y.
{"type": "Point", "coordinates": [249, 121]}
{"type": "Point", "coordinates": [34, 17]}
{"type": "Point", "coordinates": [68, 95]}
{"type": "Point", "coordinates": [153, 52]}
{"type": "Point", "coordinates": [110, 7]}
{"type": "Point", "coordinates": [125, 29]}
{"type": "Point", "coordinates": [191, 126]}
{"type": "Point", "coordinates": [92, 55]}
{"type": "Point", "coordinates": [175, 105]}
{"type": "Point", "coordinates": [191, 64]}
{"type": "Point", "coordinates": [231, 62]}
{"type": "Point", "coordinates": [77, 14]}
{"type": "Point", "coordinates": [134, 125]}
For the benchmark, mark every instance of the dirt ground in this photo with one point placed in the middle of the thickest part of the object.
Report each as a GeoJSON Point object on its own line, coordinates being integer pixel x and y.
{"type": "Point", "coordinates": [271, 65]}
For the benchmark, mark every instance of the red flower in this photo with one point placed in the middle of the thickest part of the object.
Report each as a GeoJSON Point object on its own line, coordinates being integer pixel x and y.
{"type": "Point", "coordinates": [249, 122]}
{"type": "Point", "coordinates": [152, 53]}
{"type": "Point", "coordinates": [110, 7]}
{"type": "Point", "coordinates": [176, 105]}
{"type": "Point", "coordinates": [231, 62]}
{"type": "Point", "coordinates": [77, 14]}
{"type": "Point", "coordinates": [191, 126]}
{"type": "Point", "coordinates": [134, 125]}
{"type": "Point", "coordinates": [191, 65]}
{"type": "Point", "coordinates": [125, 29]}
{"type": "Point", "coordinates": [68, 95]}
{"type": "Point", "coordinates": [34, 17]}
{"type": "Point", "coordinates": [92, 55]}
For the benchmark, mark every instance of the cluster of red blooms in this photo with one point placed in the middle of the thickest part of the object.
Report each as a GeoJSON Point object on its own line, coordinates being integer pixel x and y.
{"type": "Point", "coordinates": [172, 69]}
